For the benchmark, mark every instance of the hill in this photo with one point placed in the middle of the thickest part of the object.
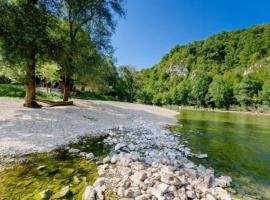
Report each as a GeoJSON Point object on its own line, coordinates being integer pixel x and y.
{"type": "Point", "coordinates": [227, 69]}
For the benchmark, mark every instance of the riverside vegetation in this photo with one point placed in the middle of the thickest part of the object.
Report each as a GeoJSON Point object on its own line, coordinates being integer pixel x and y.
{"type": "Point", "coordinates": [230, 70]}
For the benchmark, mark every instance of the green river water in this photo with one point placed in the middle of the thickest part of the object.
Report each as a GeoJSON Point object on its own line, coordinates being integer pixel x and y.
{"type": "Point", "coordinates": [237, 145]}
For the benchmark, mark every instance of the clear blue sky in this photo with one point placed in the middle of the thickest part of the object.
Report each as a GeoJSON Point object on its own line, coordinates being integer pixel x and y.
{"type": "Point", "coordinates": [152, 27]}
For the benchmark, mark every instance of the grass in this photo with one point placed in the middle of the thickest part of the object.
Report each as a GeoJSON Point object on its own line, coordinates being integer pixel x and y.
{"type": "Point", "coordinates": [93, 96]}
{"type": "Point", "coordinates": [17, 91]}
{"type": "Point", "coordinates": [24, 181]}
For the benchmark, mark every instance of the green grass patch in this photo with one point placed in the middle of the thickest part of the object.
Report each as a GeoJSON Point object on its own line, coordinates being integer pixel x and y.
{"type": "Point", "coordinates": [17, 91]}
{"type": "Point", "coordinates": [93, 96]}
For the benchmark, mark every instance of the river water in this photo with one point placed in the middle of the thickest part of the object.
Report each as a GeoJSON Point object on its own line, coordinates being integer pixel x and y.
{"type": "Point", "coordinates": [237, 145]}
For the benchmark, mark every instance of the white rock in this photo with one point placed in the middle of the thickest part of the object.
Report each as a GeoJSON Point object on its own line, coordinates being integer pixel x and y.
{"type": "Point", "coordinates": [90, 156]}
{"type": "Point", "coordinates": [41, 167]}
{"type": "Point", "coordinates": [102, 169]}
{"type": "Point", "coordinates": [163, 188]}
{"type": "Point", "coordinates": [210, 197]}
{"type": "Point", "coordinates": [223, 181]}
{"type": "Point", "coordinates": [119, 146]}
{"type": "Point", "coordinates": [45, 194]}
{"type": "Point", "coordinates": [74, 151]}
{"type": "Point", "coordinates": [190, 194]}
{"type": "Point", "coordinates": [100, 182]}
{"type": "Point", "coordinates": [221, 193]}
{"type": "Point", "coordinates": [201, 156]}
{"type": "Point", "coordinates": [115, 158]}
{"type": "Point", "coordinates": [133, 192]}
{"type": "Point", "coordinates": [106, 160]}
{"type": "Point", "coordinates": [89, 193]}
{"type": "Point", "coordinates": [82, 154]}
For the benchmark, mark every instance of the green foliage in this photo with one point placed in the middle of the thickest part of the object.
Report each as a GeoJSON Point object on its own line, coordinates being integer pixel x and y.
{"type": "Point", "coordinates": [9, 90]}
{"type": "Point", "coordinates": [265, 94]}
{"type": "Point", "coordinates": [49, 72]}
{"type": "Point", "coordinates": [127, 83]}
{"type": "Point", "coordinates": [181, 94]}
{"type": "Point", "coordinates": [199, 88]}
{"type": "Point", "coordinates": [92, 96]}
{"type": "Point", "coordinates": [247, 91]}
{"type": "Point", "coordinates": [221, 92]}
{"type": "Point", "coordinates": [228, 69]}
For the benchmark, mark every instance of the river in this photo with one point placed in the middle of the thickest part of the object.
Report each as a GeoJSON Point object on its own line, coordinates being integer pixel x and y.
{"type": "Point", "coordinates": [237, 145]}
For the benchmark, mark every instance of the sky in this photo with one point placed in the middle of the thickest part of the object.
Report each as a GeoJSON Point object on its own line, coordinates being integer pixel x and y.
{"type": "Point", "coordinates": [152, 27]}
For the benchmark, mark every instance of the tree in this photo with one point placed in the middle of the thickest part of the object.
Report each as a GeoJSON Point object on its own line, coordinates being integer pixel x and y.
{"type": "Point", "coordinates": [128, 81]}
{"type": "Point", "coordinates": [49, 73]}
{"type": "Point", "coordinates": [24, 37]}
{"type": "Point", "coordinates": [94, 17]}
{"type": "Point", "coordinates": [265, 94]}
{"type": "Point", "coordinates": [199, 88]}
{"type": "Point", "coordinates": [221, 92]}
{"type": "Point", "coordinates": [247, 90]}
{"type": "Point", "coordinates": [180, 94]}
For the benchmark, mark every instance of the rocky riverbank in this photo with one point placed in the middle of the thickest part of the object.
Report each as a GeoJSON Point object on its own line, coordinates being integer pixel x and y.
{"type": "Point", "coordinates": [149, 163]}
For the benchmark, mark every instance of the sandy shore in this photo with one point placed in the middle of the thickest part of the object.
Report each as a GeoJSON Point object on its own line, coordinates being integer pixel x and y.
{"type": "Point", "coordinates": [24, 130]}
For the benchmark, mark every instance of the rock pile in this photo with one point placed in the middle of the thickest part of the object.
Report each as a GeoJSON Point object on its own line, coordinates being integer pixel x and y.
{"type": "Point", "coordinates": [149, 163]}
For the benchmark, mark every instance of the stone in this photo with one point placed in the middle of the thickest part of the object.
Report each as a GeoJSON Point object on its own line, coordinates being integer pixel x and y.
{"type": "Point", "coordinates": [89, 193]}
{"type": "Point", "coordinates": [45, 194]}
{"type": "Point", "coordinates": [119, 146]}
{"type": "Point", "coordinates": [82, 154]}
{"type": "Point", "coordinates": [139, 176]}
{"type": "Point", "coordinates": [163, 188]}
{"type": "Point", "coordinates": [62, 193]}
{"type": "Point", "coordinates": [115, 158]}
{"type": "Point", "coordinates": [102, 169]}
{"type": "Point", "coordinates": [223, 181]}
{"type": "Point", "coordinates": [170, 179]}
{"type": "Point", "coordinates": [100, 182]}
{"type": "Point", "coordinates": [190, 194]}
{"type": "Point", "coordinates": [191, 172]}
{"type": "Point", "coordinates": [41, 167]}
{"type": "Point", "coordinates": [209, 197]}
{"type": "Point", "coordinates": [201, 156]}
{"type": "Point", "coordinates": [100, 193]}
{"type": "Point", "coordinates": [221, 193]}
{"type": "Point", "coordinates": [90, 156]}
{"type": "Point", "coordinates": [143, 197]}
{"type": "Point", "coordinates": [121, 192]}
{"type": "Point", "coordinates": [76, 179]}
{"type": "Point", "coordinates": [106, 160]}
{"type": "Point", "coordinates": [74, 151]}
{"type": "Point", "coordinates": [133, 192]}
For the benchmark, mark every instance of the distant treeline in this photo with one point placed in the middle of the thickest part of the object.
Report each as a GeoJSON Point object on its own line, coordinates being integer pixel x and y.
{"type": "Point", "coordinates": [228, 69]}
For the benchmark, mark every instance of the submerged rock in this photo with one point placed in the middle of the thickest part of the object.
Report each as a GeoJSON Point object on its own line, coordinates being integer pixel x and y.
{"type": "Point", "coordinates": [89, 193]}
{"type": "Point", "coordinates": [41, 167]}
{"type": "Point", "coordinates": [45, 194]}
{"type": "Point", "coordinates": [62, 193]}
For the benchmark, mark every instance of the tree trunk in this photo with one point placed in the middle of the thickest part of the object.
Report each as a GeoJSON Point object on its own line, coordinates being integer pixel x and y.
{"type": "Point", "coordinates": [30, 84]}
{"type": "Point", "coordinates": [66, 89]}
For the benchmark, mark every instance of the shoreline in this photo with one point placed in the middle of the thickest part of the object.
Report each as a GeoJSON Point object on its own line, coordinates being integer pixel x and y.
{"type": "Point", "coordinates": [179, 108]}
{"type": "Point", "coordinates": [147, 162]}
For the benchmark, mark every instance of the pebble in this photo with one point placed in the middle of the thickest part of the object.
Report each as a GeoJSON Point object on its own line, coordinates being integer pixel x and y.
{"type": "Point", "coordinates": [151, 164]}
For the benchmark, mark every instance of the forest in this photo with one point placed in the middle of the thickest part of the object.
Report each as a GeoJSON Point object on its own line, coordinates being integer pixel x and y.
{"type": "Point", "coordinates": [227, 70]}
